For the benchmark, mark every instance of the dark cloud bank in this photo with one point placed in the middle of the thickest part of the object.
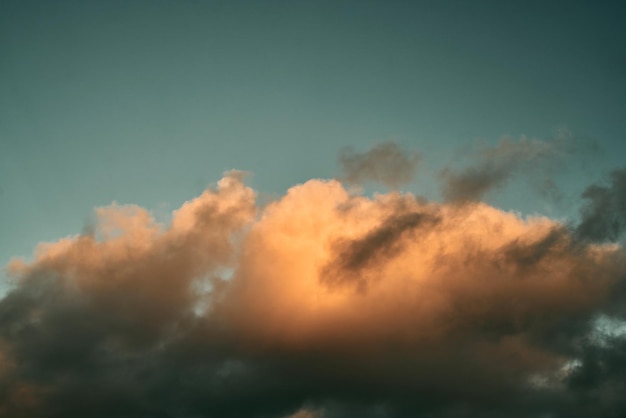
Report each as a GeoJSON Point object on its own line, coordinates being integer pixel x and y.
{"type": "Point", "coordinates": [325, 304]}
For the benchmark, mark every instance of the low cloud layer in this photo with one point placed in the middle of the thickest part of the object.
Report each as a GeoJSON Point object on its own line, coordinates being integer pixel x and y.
{"type": "Point", "coordinates": [384, 163]}
{"type": "Point", "coordinates": [322, 303]}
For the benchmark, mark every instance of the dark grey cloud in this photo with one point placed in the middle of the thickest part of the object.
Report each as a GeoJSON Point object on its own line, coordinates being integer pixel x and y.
{"type": "Point", "coordinates": [384, 163]}
{"type": "Point", "coordinates": [603, 218]}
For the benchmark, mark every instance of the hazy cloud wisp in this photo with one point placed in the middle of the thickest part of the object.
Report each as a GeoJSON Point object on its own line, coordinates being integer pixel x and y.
{"type": "Point", "coordinates": [384, 163]}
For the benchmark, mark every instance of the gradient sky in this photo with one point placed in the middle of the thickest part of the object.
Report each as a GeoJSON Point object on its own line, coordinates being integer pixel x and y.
{"type": "Point", "coordinates": [434, 223]}
{"type": "Point", "coordinates": [149, 101]}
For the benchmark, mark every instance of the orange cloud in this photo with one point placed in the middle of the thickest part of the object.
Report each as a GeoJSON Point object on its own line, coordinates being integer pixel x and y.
{"type": "Point", "coordinates": [332, 296]}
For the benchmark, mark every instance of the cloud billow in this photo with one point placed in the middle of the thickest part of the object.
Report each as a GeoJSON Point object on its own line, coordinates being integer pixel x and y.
{"type": "Point", "coordinates": [334, 305]}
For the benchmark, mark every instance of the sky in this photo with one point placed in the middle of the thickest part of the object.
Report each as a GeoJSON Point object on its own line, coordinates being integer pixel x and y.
{"type": "Point", "coordinates": [312, 209]}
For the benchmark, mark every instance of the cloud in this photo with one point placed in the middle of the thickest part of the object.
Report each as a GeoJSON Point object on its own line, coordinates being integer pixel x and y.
{"type": "Point", "coordinates": [496, 165]}
{"type": "Point", "coordinates": [322, 303]}
{"type": "Point", "coordinates": [604, 215]}
{"type": "Point", "coordinates": [384, 163]}
{"type": "Point", "coordinates": [383, 242]}
{"type": "Point", "coordinates": [307, 413]}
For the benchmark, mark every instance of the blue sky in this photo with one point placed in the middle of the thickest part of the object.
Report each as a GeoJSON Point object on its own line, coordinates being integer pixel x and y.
{"type": "Point", "coordinates": [147, 102]}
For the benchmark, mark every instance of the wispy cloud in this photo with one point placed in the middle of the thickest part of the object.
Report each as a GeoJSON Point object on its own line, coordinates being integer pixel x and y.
{"type": "Point", "coordinates": [493, 166]}
{"type": "Point", "coordinates": [384, 163]}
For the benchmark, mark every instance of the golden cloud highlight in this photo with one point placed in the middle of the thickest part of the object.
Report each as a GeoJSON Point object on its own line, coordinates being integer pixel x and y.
{"type": "Point", "coordinates": [340, 294]}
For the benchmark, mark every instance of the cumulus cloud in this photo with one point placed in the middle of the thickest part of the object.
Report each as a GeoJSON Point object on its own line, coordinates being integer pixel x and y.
{"type": "Point", "coordinates": [495, 165]}
{"type": "Point", "coordinates": [322, 303]}
{"type": "Point", "coordinates": [384, 163]}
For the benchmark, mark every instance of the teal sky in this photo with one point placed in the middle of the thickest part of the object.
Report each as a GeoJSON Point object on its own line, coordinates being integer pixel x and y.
{"type": "Point", "coordinates": [147, 102]}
